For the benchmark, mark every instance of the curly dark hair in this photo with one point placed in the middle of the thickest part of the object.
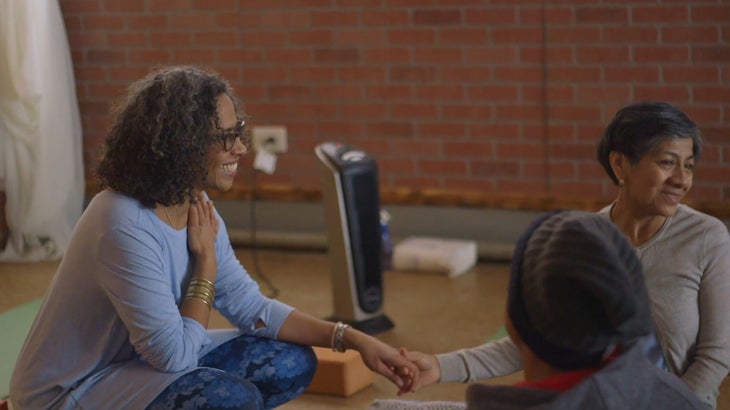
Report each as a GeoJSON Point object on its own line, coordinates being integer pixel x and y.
{"type": "Point", "coordinates": [156, 150]}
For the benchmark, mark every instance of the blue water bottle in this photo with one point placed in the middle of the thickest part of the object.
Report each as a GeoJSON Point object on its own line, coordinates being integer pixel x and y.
{"type": "Point", "coordinates": [386, 240]}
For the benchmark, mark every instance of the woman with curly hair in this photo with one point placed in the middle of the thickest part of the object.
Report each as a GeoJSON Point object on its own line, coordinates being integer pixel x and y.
{"type": "Point", "coordinates": [124, 323]}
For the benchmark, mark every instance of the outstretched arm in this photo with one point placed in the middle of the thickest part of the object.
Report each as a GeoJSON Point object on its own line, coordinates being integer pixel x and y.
{"type": "Point", "coordinates": [305, 329]}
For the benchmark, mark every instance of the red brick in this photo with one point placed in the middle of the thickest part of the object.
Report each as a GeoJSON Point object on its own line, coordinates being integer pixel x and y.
{"type": "Point", "coordinates": [285, 19]}
{"type": "Point", "coordinates": [289, 92]}
{"type": "Point", "coordinates": [191, 21]}
{"type": "Point", "coordinates": [690, 34]}
{"type": "Point", "coordinates": [509, 35]}
{"type": "Point", "coordinates": [585, 113]}
{"type": "Point", "coordinates": [387, 55]}
{"type": "Point", "coordinates": [601, 15]}
{"type": "Point", "coordinates": [315, 74]}
{"type": "Point", "coordinates": [192, 56]}
{"type": "Point", "coordinates": [263, 38]}
{"type": "Point", "coordinates": [338, 129]}
{"type": "Point", "coordinates": [227, 5]}
{"type": "Point", "coordinates": [367, 110]}
{"type": "Point", "coordinates": [390, 129]}
{"type": "Point", "coordinates": [492, 92]}
{"type": "Point", "coordinates": [494, 54]}
{"type": "Point", "coordinates": [339, 92]}
{"type": "Point", "coordinates": [710, 13]}
{"type": "Point", "coordinates": [602, 54]}
{"type": "Point", "coordinates": [334, 18]}
{"type": "Point", "coordinates": [375, 18]}
{"type": "Point", "coordinates": [601, 93]}
{"type": "Point", "coordinates": [576, 189]}
{"type": "Point", "coordinates": [471, 111]}
{"type": "Point", "coordinates": [555, 93]}
{"type": "Point", "coordinates": [437, 56]}
{"type": "Point", "coordinates": [360, 37]}
{"type": "Point", "coordinates": [152, 22]}
{"type": "Point", "coordinates": [264, 74]}
{"type": "Point", "coordinates": [554, 15]}
{"type": "Point", "coordinates": [412, 74]}
{"type": "Point", "coordinates": [660, 14]}
{"type": "Point", "coordinates": [442, 167]}
{"type": "Point", "coordinates": [491, 17]}
{"type": "Point", "coordinates": [661, 54]}
{"type": "Point", "coordinates": [443, 129]}
{"type": "Point", "coordinates": [389, 92]}
{"type": "Point", "coordinates": [391, 166]}
{"type": "Point", "coordinates": [362, 73]}
{"type": "Point", "coordinates": [239, 56]}
{"type": "Point", "coordinates": [421, 148]}
{"type": "Point", "coordinates": [215, 38]}
{"type": "Point", "coordinates": [519, 112]}
{"type": "Point", "coordinates": [106, 56]}
{"type": "Point", "coordinates": [495, 168]}
{"type": "Point", "coordinates": [479, 185]}
{"type": "Point", "coordinates": [465, 149]}
{"type": "Point", "coordinates": [631, 34]}
{"type": "Point", "coordinates": [436, 17]}
{"type": "Point", "coordinates": [308, 37]}
{"type": "Point", "coordinates": [336, 55]}
{"type": "Point", "coordinates": [574, 74]}
{"type": "Point", "coordinates": [412, 36]}
{"type": "Point", "coordinates": [476, 36]}
{"type": "Point", "coordinates": [70, 7]}
{"type": "Point", "coordinates": [493, 129]}
{"type": "Point", "coordinates": [675, 94]}
{"type": "Point", "coordinates": [695, 74]}
{"type": "Point", "coordinates": [572, 151]}
{"type": "Point", "coordinates": [413, 111]}
{"type": "Point", "coordinates": [439, 92]}
{"type": "Point", "coordinates": [519, 73]}
{"type": "Point", "coordinates": [573, 35]}
{"type": "Point", "coordinates": [711, 54]}
{"type": "Point", "coordinates": [632, 74]}
{"type": "Point", "coordinates": [102, 22]}
{"type": "Point", "coordinates": [168, 5]}
{"type": "Point", "coordinates": [289, 56]}
{"type": "Point", "coordinates": [124, 6]}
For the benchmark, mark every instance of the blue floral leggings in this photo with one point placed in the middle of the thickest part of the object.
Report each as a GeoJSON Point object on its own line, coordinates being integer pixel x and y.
{"type": "Point", "coordinates": [247, 372]}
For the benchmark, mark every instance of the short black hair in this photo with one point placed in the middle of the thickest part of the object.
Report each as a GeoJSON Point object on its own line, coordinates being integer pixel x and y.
{"type": "Point", "coordinates": [156, 150]}
{"type": "Point", "coordinates": [639, 128]}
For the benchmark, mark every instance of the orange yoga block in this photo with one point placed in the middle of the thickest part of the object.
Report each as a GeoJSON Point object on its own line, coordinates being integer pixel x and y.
{"type": "Point", "coordinates": [340, 374]}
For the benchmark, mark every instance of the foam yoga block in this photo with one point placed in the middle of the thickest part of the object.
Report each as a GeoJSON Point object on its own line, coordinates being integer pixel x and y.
{"type": "Point", "coordinates": [449, 256]}
{"type": "Point", "coordinates": [340, 374]}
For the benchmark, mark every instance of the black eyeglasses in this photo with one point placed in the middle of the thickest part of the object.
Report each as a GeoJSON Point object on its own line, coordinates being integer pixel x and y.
{"type": "Point", "coordinates": [227, 138]}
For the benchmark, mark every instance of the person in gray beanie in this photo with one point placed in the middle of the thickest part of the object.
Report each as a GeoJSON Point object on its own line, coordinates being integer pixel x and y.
{"type": "Point", "coordinates": [577, 308]}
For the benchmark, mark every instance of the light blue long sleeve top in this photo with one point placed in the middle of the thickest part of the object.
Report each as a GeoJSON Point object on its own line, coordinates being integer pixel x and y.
{"type": "Point", "coordinates": [109, 333]}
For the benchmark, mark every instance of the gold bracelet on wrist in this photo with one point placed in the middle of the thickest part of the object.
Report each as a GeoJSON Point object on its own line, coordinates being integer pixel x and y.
{"type": "Point", "coordinates": [205, 300]}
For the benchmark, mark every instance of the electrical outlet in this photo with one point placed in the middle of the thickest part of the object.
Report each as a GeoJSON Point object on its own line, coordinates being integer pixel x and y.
{"type": "Point", "coordinates": [272, 138]}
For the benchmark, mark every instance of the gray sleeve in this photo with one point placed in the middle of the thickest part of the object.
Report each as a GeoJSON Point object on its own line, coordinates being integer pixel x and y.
{"type": "Point", "coordinates": [711, 359]}
{"type": "Point", "coordinates": [493, 359]}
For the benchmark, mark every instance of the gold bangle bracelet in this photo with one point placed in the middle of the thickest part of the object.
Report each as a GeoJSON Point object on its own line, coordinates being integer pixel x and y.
{"type": "Point", "coordinates": [201, 289]}
{"type": "Point", "coordinates": [338, 337]}
{"type": "Point", "coordinates": [202, 299]}
{"type": "Point", "coordinates": [204, 282]}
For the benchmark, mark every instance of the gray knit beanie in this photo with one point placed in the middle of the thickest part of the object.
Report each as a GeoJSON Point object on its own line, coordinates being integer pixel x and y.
{"type": "Point", "coordinates": [576, 289]}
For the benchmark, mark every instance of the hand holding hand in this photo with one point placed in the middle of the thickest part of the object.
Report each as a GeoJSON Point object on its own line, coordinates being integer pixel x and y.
{"type": "Point", "coordinates": [386, 360]}
{"type": "Point", "coordinates": [428, 367]}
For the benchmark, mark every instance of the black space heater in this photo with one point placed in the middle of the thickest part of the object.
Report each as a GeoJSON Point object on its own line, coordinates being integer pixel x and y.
{"type": "Point", "coordinates": [351, 202]}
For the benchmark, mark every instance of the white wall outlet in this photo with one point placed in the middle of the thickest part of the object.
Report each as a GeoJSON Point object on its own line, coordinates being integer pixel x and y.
{"type": "Point", "coordinates": [272, 138]}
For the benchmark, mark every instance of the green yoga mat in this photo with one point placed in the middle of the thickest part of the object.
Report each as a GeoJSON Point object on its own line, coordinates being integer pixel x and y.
{"type": "Point", "coordinates": [15, 324]}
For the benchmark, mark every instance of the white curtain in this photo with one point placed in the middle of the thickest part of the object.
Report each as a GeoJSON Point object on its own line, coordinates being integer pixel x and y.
{"type": "Point", "coordinates": [41, 161]}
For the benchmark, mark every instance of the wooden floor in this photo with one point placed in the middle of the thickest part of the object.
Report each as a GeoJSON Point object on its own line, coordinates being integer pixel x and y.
{"type": "Point", "coordinates": [431, 312]}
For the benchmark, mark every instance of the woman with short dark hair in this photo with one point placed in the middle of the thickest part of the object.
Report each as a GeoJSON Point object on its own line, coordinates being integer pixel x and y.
{"type": "Point", "coordinates": [649, 150]}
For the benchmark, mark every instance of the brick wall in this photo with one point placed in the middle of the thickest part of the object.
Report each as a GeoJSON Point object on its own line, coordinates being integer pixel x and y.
{"type": "Point", "coordinates": [470, 95]}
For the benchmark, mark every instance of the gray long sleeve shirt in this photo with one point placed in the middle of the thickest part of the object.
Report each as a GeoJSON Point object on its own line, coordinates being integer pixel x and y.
{"type": "Point", "coordinates": [687, 269]}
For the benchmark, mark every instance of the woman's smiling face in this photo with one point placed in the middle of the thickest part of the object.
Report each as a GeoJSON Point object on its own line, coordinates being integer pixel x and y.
{"type": "Point", "coordinates": [223, 165]}
{"type": "Point", "coordinates": [660, 180]}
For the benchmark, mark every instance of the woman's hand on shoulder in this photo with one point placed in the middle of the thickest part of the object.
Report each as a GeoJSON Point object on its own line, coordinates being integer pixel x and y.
{"type": "Point", "coordinates": [202, 231]}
